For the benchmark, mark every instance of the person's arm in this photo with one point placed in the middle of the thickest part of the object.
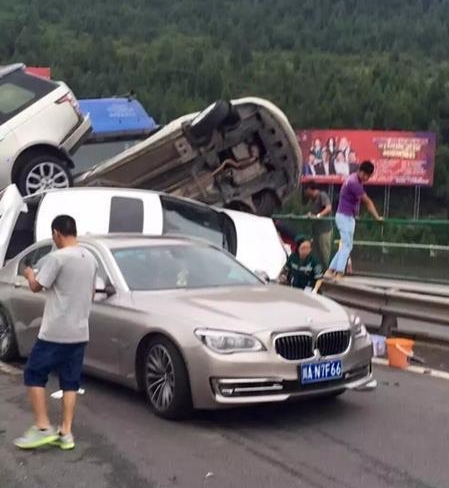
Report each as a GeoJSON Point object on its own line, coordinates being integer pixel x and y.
{"type": "Point", "coordinates": [327, 206]}
{"type": "Point", "coordinates": [285, 273]}
{"type": "Point", "coordinates": [34, 285]}
{"type": "Point", "coordinates": [327, 210]}
{"type": "Point", "coordinates": [47, 274]}
{"type": "Point", "coordinates": [283, 276]}
{"type": "Point", "coordinates": [371, 207]}
{"type": "Point", "coordinates": [317, 273]}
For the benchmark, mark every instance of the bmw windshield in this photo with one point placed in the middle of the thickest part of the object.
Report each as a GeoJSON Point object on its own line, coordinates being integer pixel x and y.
{"type": "Point", "coordinates": [180, 266]}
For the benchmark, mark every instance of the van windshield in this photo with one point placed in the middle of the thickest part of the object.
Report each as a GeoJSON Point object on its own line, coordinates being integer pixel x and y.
{"type": "Point", "coordinates": [170, 267]}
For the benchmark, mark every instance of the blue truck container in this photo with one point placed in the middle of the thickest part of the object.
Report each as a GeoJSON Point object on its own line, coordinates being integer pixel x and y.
{"type": "Point", "coordinates": [117, 123]}
{"type": "Point", "coordinates": [117, 118]}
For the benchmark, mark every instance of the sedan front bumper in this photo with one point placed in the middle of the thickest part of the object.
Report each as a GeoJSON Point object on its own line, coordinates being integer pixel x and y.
{"type": "Point", "coordinates": [219, 381]}
{"type": "Point", "coordinates": [263, 390]}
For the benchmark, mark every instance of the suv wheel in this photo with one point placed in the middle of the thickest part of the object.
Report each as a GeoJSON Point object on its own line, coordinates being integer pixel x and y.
{"type": "Point", "coordinates": [44, 172]}
{"type": "Point", "coordinates": [209, 119]}
{"type": "Point", "coordinates": [166, 381]}
{"type": "Point", "coordinates": [8, 344]}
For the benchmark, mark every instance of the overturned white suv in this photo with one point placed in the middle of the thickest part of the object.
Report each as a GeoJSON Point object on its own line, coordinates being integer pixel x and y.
{"type": "Point", "coordinates": [241, 155]}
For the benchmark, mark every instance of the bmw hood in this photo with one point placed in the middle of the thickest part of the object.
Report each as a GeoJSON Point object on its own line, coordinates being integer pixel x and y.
{"type": "Point", "coordinates": [243, 309]}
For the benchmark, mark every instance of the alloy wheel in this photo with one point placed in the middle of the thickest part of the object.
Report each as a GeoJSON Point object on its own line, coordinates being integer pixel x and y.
{"type": "Point", "coordinates": [5, 335]}
{"type": "Point", "coordinates": [46, 176]}
{"type": "Point", "coordinates": [160, 377]}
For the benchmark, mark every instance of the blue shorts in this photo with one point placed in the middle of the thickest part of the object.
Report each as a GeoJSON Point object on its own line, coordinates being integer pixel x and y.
{"type": "Point", "coordinates": [64, 359]}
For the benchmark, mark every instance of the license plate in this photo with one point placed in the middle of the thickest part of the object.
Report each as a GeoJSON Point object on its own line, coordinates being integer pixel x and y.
{"type": "Point", "coordinates": [322, 371]}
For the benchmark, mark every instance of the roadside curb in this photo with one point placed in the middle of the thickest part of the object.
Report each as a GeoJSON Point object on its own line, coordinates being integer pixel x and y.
{"type": "Point", "coordinates": [11, 370]}
{"type": "Point", "coordinates": [435, 373]}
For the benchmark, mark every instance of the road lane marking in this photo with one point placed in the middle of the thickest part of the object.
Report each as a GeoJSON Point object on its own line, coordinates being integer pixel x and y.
{"type": "Point", "coordinates": [435, 373]}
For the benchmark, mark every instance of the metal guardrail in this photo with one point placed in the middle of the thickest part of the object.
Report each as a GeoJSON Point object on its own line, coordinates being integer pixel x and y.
{"type": "Point", "coordinates": [411, 301]}
{"type": "Point", "coordinates": [296, 217]}
{"type": "Point", "coordinates": [398, 249]}
{"type": "Point", "coordinates": [395, 248]}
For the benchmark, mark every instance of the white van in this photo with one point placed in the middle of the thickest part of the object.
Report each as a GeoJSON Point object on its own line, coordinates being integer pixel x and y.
{"type": "Point", "coordinates": [100, 211]}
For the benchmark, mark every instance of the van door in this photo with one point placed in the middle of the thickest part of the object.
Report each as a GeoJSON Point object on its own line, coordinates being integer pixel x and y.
{"type": "Point", "coordinates": [259, 247]}
{"type": "Point", "coordinates": [27, 308]}
{"type": "Point", "coordinates": [11, 206]}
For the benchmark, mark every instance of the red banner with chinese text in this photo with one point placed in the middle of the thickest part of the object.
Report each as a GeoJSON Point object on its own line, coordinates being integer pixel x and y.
{"type": "Point", "coordinates": [400, 158]}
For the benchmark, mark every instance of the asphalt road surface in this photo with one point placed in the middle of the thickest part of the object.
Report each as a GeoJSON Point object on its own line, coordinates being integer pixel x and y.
{"type": "Point", "coordinates": [397, 436]}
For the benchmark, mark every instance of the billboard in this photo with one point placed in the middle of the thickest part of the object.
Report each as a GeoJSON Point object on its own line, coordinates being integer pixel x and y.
{"type": "Point", "coordinates": [400, 158]}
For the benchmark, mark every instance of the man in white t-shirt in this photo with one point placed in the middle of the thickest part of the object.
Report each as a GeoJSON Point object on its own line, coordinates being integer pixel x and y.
{"type": "Point", "coordinates": [68, 277]}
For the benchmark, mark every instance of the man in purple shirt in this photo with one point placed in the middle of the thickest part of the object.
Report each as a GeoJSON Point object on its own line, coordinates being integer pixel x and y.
{"type": "Point", "coordinates": [351, 194]}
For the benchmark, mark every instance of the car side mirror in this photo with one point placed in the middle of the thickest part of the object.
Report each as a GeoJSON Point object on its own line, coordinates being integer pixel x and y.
{"type": "Point", "coordinates": [262, 275]}
{"type": "Point", "coordinates": [103, 288]}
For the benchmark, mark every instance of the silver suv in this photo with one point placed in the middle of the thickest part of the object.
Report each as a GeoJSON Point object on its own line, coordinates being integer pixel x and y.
{"type": "Point", "coordinates": [40, 127]}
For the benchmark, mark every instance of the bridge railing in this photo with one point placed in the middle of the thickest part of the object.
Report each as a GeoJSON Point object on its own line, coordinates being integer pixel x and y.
{"type": "Point", "coordinates": [416, 250]}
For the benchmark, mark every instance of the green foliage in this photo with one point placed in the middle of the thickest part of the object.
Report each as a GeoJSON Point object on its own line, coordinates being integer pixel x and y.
{"type": "Point", "coordinates": [379, 64]}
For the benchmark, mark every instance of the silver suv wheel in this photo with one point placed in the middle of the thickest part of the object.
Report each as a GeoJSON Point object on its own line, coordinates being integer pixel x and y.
{"type": "Point", "coordinates": [46, 176]}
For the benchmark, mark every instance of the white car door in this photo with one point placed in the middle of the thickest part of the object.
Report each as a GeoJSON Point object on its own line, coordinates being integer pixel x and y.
{"type": "Point", "coordinates": [11, 206]}
{"type": "Point", "coordinates": [259, 247]}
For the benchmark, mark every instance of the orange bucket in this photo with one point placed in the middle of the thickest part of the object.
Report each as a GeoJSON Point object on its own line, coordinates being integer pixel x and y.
{"type": "Point", "coordinates": [399, 351]}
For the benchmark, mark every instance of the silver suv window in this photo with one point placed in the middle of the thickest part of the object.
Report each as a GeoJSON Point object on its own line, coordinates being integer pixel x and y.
{"type": "Point", "coordinates": [19, 90]}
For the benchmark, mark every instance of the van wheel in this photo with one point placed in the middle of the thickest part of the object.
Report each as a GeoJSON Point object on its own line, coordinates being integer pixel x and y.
{"type": "Point", "coordinates": [209, 119]}
{"type": "Point", "coordinates": [266, 203]}
{"type": "Point", "coordinates": [44, 172]}
{"type": "Point", "coordinates": [8, 344]}
{"type": "Point", "coordinates": [165, 379]}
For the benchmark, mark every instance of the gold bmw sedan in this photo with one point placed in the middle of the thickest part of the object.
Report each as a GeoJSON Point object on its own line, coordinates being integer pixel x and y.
{"type": "Point", "coordinates": [189, 326]}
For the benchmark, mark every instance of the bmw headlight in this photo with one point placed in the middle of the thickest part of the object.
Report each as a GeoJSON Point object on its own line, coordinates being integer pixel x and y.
{"type": "Point", "coordinates": [359, 328]}
{"type": "Point", "coordinates": [225, 342]}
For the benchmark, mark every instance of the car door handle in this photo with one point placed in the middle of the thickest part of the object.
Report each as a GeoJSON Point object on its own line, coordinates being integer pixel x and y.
{"type": "Point", "coordinates": [19, 284]}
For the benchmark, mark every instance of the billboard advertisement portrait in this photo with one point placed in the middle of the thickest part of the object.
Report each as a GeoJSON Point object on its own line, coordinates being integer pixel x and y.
{"type": "Point", "coordinates": [400, 158]}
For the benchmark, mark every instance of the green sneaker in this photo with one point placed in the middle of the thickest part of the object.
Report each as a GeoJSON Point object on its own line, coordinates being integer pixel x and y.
{"type": "Point", "coordinates": [66, 442]}
{"type": "Point", "coordinates": [35, 437]}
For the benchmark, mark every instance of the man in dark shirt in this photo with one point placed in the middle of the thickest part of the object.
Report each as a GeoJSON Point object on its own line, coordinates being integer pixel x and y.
{"type": "Point", "coordinates": [320, 206]}
{"type": "Point", "coordinates": [302, 270]}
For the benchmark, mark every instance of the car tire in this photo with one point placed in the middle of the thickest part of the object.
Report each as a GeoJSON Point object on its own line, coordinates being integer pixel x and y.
{"type": "Point", "coordinates": [266, 203]}
{"type": "Point", "coordinates": [166, 380]}
{"type": "Point", "coordinates": [8, 342]}
{"type": "Point", "coordinates": [209, 119]}
{"type": "Point", "coordinates": [44, 172]}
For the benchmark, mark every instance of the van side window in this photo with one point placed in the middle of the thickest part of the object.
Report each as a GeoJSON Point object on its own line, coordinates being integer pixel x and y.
{"type": "Point", "coordinates": [126, 215]}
